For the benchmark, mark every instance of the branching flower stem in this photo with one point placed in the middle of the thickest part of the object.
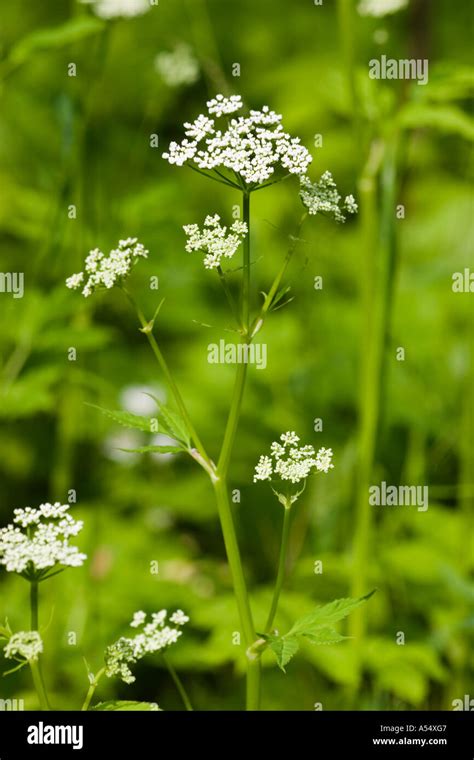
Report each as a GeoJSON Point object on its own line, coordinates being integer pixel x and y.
{"type": "Point", "coordinates": [281, 568]}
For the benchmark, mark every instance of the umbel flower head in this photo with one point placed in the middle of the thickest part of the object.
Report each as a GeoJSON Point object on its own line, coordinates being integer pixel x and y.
{"type": "Point", "coordinates": [323, 197]}
{"type": "Point", "coordinates": [24, 646]}
{"type": "Point", "coordinates": [117, 8]}
{"type": "Point", "coordinates": [250, 147]}
{"type": "Point", "coordinates": [213, 240]}
{"type": "Point", "coordinates": [38, 540]}
{"type": "Point", "coordinates": [153, 637]}
{"type": "Point", "coordinates": [102, 271]}
{"type": "Point", "coordinates": [289, 464]}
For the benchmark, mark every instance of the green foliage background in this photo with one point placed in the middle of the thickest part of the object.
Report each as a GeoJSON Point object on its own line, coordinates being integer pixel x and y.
{"type": "Point", "coordinates": [85, 140]}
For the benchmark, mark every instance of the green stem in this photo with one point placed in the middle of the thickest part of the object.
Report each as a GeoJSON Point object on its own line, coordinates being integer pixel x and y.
{"type": "Point", "coordinates": [229, 296]}
{"type": "Point", "coordinates": [281, 568]}
{"type": "Point", "coordinates": [147, 330]}
{"type": "Point", "coordinates": [235, 562]}
{"type": "Point", "coordinates": [39, 684]}
{"type": "Point", "coordinates": [91, 690]}
{"type": "Point", "coordinates": [347, 22]}
{"type": "Point", "coordinates": [178, 684]}
{"type": "Point", "coordinates": [254, 673]}
{"type": "Point", "coordinates": [246, 272]}
{"type": "Point", "coordinates": [35, 666]}
{"type": "Point", "coordinates": [258, 321]}
{"type": "Point", "coordinates": [233, 420]}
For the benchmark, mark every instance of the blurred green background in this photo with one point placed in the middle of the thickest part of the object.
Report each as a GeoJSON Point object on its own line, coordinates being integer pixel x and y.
{"type": "Point", "coordinates": [84, 140]}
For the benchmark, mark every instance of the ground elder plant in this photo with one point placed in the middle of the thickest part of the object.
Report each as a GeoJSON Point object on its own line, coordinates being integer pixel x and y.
{"type": "Point", "coordinates": [36, 546]}
{"type": "Point", "coordinates": [248, 151]}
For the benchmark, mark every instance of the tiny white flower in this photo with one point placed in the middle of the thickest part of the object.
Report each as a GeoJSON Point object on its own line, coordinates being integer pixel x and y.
{"type": "Point", "coordinates": [41, 541]}
{"type": "Point", "coordinates": [179, 618]}
{"type": "Point", "coordinates": [25, 644]}
{"type": "Point", "coordinates": [107, 271]}
{"type": "Point", "coordinates": [323, 460]}
{"type": "Point", "coordinates": [214, 240]}
{"type": "Point", "coordinates": [154, 637]}
{"type": "Point", "coordinates": [138, 619]}
{"type": "Point", "coordinates": [323, 197]}
{"type": "Point", "coordinates": [253, 146]}
{"type": "Point", "coordinates": [291, 464]}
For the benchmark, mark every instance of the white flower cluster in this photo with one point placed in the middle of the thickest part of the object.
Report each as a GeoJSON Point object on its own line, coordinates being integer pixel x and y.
{"type": "Point", "coordinates": [178, 67]}
{"type": "Point", "coordinates": [379, 8]}
{"type": "Point", "coordinates": [213, 239]}
{"type": "Point", "coordinates": [104, 271]}
{"type": "Point", "coordinates": [25, 644]}
{"type": "Point", "coordinates": [291, 463]}
{"type": "Point", "coordinates": [39, 539]}
{"type": "Point", "coordinates": [117, 8]}
{"type": "Point", "coordinates": [155, 636]}
{"type": "Point", "coordinates": [323, 196]}
{"type": "Point", "coordinates": [250, 146]}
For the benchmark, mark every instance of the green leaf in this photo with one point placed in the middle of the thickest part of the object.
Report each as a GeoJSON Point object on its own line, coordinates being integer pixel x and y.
{"type": "Point", "coordinates": [324, 636]}
{"type": "Point", "coordinates": [157, 449]}
{"type": "Point", "coordinates": [56, 37]}
{"type": "Point", "coordinates": [284, 647]}
{"type": "Point", "coordinates": [127, 419]}
{"type": "Point", "coordinates": [171, 423]}
{"type": "Point", "coordinates": [445, 118]}
{"type": "Point", "coordinates": [326, 615]}
{"type": "Point", "coordinates": [126, 706]}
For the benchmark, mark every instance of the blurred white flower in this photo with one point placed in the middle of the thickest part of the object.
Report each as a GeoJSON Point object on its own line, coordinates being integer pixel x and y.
{"type": "Point", "coordinates": [27, 645]}
{"type": "Point", "coordinates": [179, 66]}
{"type": "Point", "coordinates": [118, 8]}
{"type": "Point", "coordinates": [213, 239]}
{"type": "Point", "coordinates": [251, 146]}
{"type": "Point", "coordinates": [123, 439]}
{"type": "Point", "coordinates": [137, 399]}
{"type": "Point", "coordinates": [380, 8]}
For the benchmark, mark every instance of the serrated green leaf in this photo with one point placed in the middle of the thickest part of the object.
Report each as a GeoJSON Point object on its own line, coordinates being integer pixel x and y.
{"type": "Point", "coordinates": [326, 615]}
{"type": "Point", "coordinates": [126, 706]}
{"type": "Point", "coordinates": [324, 636]}
{"type": "Point", "coordinates": [127, 419]}
{"type": "Point", "coordinates": [171, 423]}
{"type": "Point", "coordinates": [284, 648]}
{"type": "Point", "coordinates": [156, 449]}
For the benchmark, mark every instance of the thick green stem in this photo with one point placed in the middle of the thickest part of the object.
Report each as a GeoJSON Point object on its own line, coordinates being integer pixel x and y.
{"type": "Point", "coordinates": [178, 683]}
{"type": "Point", "coordinates": [35, 666]}
{"type": "Point", "coordinates": [39, 685]}
{"type": "Point", "coordinates": [380, 267]}
{"type": "Point", "coordinates": [233, 556]}
{"type": "Point", "coordinates": [281, 568]}
{"type": "Point", "coordinates": [254, 673]}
